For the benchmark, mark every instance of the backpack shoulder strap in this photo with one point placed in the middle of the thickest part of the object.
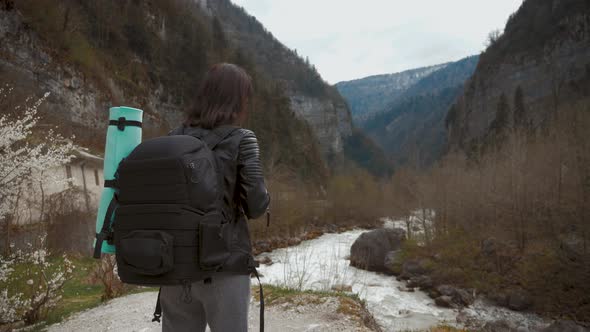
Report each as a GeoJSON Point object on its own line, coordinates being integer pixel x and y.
{"type": "Point", "coordinates": [216, 135]}
{"type": "Point", "coordinates": [176, 131]}
{"type": "Point", "coordinates": [158, 310]}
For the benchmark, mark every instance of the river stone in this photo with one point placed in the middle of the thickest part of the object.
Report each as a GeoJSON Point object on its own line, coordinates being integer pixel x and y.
{"type": "Point", "coordinates": [499, 298]}
{"type": "Point", "coordinates": [445, 301]}
{"type": "Point", "coordinates": [466, 318]}
{"type": "Point", "coordinates": [565, 326]}
{"type": "Point", "coordinates": [489, 246]}
{"type": "Point", "coordinates": [519, 301]}
{"type": "Point", "coordinates": [413, 268]}
{"type": "Point", "coordinates": [572, 246]}
{"type": "Point", "coordinates": [293, 241]}
{"type": "Point", "coordinates": [263, 246]}
{"type": "Point", "coordinates": [330, 228]}
{"type": "Point", "coordinates": [459, 296]}
{"type": "Point", "coordinates": [266, 260]}
{"type": "Point", "coordinates": [464, 297]}
{"type": "Point", "coordinates": [424, 282]}
{"type": "Point", "coordinates": [446, 290]}
{"type": "Point", "coordinates": [369, 250]}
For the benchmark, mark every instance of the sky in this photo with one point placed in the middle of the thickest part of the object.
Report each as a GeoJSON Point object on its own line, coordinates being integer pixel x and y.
{"type": "Point", "coordinates": [347, 39]}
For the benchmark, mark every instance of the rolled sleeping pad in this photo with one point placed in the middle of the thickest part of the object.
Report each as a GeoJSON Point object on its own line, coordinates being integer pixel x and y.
{"type": "Point", "coordinates": [123, 135]}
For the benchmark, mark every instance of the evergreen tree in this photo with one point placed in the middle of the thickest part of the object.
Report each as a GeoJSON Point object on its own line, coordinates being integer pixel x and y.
{"type": "Point", "coordinates": [500, 123]}
{"type": "Point", "coordinates": [502, 115]}
{"type": "Point", "coordinates": [519, 111]}
{"type": "Point", "coordinates": [219, 39]}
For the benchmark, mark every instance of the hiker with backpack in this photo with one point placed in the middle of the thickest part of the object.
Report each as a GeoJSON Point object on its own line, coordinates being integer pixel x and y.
{"type": "Point", "coordinates": [222, 299]}
{"type": "Point", "coordinates": [179, 215]}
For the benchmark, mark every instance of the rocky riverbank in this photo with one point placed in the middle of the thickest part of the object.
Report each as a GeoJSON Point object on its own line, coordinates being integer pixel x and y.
{"type": "Point", "coordinates": [383, 250]}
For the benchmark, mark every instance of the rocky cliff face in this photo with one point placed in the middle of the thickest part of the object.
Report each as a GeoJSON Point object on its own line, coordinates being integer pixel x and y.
{"type": "Point", "coordinates": [330, 120]}
{"type": "Point", "coordinates": [25, 62]}
{"type": "Point", "coordinates": [89, 59]}
{"type": "Point", "coordinates": [370, 95]}
{"type": "Point", "coordinates": [77, 105]}
{"type": "Point", "coordinates": [544, 51]}
{"type": "Point", "coordinates": [310, 97]}
{"type": "Point", "coordinates": [93, 55]}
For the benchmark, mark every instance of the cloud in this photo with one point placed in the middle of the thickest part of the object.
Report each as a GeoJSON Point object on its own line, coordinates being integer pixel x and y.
{"type": "Point", "coordinates": [352, 39]}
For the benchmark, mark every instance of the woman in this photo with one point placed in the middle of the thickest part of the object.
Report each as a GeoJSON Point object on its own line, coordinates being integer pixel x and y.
{"type": "Point", "coordinates": [222, 300]}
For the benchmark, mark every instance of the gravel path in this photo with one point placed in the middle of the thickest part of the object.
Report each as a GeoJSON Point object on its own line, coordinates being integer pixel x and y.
{"type": "Point", "coordinates": [134, 313]}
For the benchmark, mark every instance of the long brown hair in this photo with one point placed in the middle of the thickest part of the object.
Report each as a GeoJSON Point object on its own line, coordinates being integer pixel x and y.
{"type": "Point", "coordinates": [222, 97]}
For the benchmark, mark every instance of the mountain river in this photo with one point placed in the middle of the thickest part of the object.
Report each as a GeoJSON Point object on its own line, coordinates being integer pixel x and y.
{"type": "Point", "coordinates": [322, 264]}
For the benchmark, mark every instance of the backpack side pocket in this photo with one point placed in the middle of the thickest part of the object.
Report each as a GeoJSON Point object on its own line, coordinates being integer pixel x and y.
{"type": "Point", "coordinates": [147, 252]}
{"type": "Point", "coordinates": [214, 237]}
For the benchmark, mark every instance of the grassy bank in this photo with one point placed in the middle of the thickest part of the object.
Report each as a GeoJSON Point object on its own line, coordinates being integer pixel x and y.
{"type": "Point", "coordinates": [349, 305]}
{"type": "Point", "coordinates": [79, 293]}
{"type": "Point", "coordinates": [82, 292]}
{"type": "Point", "coordinates": [542, 279]}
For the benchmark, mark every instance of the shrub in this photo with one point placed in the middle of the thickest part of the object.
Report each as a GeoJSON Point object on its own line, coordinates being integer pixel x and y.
{"type": "Point", "coordinates": [31, 283]}
{"type": "Point", "coordinates": [106, 274]}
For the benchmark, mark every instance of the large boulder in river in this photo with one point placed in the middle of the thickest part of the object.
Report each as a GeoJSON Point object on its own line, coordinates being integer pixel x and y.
{"type": "Point", "coordinates": [370, 249]}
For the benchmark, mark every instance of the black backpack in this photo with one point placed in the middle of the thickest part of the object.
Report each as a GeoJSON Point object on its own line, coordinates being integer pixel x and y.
{"type": "Point", "coordinates": [170, 222]}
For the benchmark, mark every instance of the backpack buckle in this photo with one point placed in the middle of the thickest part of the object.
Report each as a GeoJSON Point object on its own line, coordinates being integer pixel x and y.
{"type": "Point", "coordinates": [110, 237]}
{"type": "Point", "coordinates": [121, 124]}
{"type": "Point", "coordinates": [252, 263]}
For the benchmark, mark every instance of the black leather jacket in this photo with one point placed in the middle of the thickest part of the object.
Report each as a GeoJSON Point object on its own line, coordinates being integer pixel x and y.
{"type": "Point", "coordinates": [245, 194]}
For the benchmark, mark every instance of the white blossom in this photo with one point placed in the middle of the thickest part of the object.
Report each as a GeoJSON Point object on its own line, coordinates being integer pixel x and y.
{"type": "Point", "coordinates": [51, 277]}
{"type": "Point", "coordinates": [20, 161]}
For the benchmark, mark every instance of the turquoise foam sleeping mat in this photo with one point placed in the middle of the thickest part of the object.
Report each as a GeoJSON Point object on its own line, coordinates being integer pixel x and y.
{"type": "Point", "coordinates": [123, 135]}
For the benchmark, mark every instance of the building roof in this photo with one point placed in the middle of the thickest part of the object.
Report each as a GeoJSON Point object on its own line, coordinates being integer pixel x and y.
{"type": "Point", "coordinates": [82, 154]}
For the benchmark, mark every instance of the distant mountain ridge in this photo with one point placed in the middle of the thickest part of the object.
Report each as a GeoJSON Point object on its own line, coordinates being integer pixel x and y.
{"type": "Point", "coordinates": [370, 95]}
{"type": "Point", "coordinates": [411, 126]}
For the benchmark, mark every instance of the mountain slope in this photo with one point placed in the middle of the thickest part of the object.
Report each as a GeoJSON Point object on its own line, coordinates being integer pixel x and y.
{"type": "Point", "coordinates": [412, 132]}
{"type": "Point", "coordinates": [91, 55]}
{"type": "Point", "coordinates": [545, 53]}
{"type": "Point", "coordinates": [312, 99]}
{"type": "Point", "coordinates": [370, 95]}
{"type": "Point", "coordinates": [410, 128]}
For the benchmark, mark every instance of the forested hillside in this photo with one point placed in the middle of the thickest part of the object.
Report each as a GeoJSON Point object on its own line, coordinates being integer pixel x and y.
{"type": "Point", "coordinates": [91, 55]}
{"type": "Point", "coordinates": [310, 98]}
{"type": "Point", "coordinates": [538, 67]}
{"type": "Point", "coordinates": [371, 95]}
{"type": "Point", "coordinates": [410, 127]}
{"type": "Point", "coordinates": [512, 195]}
{"type": "Point", "coordinates": [470, 179]}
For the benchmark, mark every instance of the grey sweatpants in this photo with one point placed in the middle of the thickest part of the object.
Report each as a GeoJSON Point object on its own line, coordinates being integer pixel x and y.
{"type": "Point", "coordinates": [223, 304]}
